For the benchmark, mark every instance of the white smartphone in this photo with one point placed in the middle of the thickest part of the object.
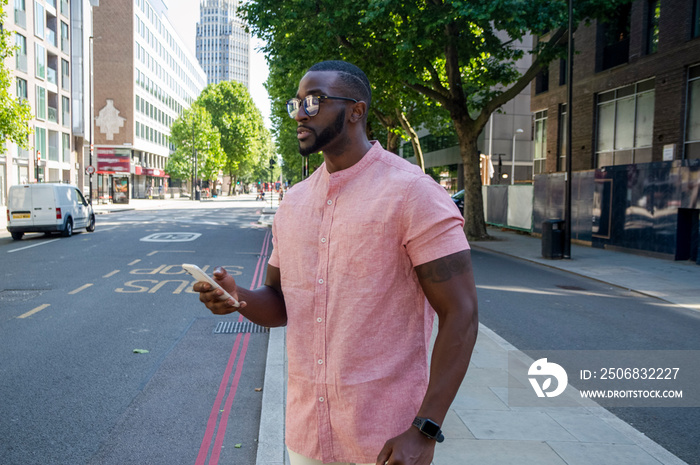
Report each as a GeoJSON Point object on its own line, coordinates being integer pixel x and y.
{"type": "Point", "coordinates": [200, 275]}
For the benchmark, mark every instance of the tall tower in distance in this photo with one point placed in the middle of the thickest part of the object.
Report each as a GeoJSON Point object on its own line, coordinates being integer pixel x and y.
{"type": "Point", "coordinates": [223, 45]}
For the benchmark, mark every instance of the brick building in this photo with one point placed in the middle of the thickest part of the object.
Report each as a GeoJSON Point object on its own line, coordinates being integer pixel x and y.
{"type": "Point", "coordinates": [636, 97]}
{"type": "Point", "coordinates": [144, 77]}
{"type": "Point", "coordinates": [636, 131]}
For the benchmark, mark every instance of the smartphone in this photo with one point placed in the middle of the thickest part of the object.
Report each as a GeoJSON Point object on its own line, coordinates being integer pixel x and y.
{"type": "Point", "coordinates": [201, 276]}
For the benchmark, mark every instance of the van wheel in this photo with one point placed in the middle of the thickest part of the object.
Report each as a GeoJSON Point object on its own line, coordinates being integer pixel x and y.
{"type": "Point", "coordinates": [68, 230]}
{"type": "Point", "coordinates": [91, 224]}
{"type": "Point", "coordinates": [17, 235]}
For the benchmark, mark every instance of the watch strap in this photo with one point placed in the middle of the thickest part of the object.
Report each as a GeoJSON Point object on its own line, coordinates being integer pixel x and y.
{"type": "Point", "coordinates": [429, 428]}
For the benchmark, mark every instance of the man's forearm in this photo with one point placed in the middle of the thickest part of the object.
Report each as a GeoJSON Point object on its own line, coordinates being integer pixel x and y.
{"type": "Point", "coordinates": [449, 362]}
{"type": "Point", "coordinates": [264, 306]}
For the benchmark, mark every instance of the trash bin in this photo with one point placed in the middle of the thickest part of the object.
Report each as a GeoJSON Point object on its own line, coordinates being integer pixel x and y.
{"type": "Point", "coordinates": [553, 238]}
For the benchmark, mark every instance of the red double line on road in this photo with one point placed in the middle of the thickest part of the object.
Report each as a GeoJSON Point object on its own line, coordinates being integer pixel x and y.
{"type": "Point", "coordinates": [216, 408]}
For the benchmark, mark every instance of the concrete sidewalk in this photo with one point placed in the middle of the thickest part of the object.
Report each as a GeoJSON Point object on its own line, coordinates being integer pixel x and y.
{"type": "Point", "coordinates": [481, 427]}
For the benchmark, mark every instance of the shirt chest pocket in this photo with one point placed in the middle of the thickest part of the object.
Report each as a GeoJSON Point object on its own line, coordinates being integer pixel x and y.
{"type": "Point", "coordinates": [362, 249]}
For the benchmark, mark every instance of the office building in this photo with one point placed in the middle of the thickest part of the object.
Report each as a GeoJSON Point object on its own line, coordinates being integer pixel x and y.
{"type": "Point", "coordinates": [144, 77]}
{"type": "Point", "coordinates": [223, 45]}
{"type": "Point", "coordinates": [42, 67]}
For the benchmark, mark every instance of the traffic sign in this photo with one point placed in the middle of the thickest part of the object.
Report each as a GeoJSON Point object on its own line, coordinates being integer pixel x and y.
{"type": "Point", "coordinates": [90, 169]}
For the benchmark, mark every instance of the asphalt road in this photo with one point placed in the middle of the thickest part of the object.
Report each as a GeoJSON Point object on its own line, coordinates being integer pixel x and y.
{"type": "Point", "coordinates": [107, 357]}
{"type": "Point", "coordinates": [540, 310]}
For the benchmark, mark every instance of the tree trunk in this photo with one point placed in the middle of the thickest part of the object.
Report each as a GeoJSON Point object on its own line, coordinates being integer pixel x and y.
{"type": "Point", "coordinates": [392, 142]}
{"type": "Point", "coordinates": [415, 142]}
{"type": "Point", "coordinates": [475, 223]}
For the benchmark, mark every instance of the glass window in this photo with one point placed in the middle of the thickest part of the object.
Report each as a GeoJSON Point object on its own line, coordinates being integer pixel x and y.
{"type": "Point", "coordinates": [644, 119]}
{"type": "Point", "coordinates": [692, 130]}
{"type": "Point", "coordinates": [653, 15]}
{"type": "Point", "coordinates": [625, 122]}
{"type": "Point", "coordinates": [40, 103]}
{"type": "Point", "coordinates": [65, 111]}
{"type": "Point", "coordinates": [22, 92]}
{"type": "Point", "coordinates": [40, 141]}
{"type": "Point", "coordinates": [21, 13]}
{"type": "Point", "coordinates": [65, 75]}
{"type": "Point", "coordinates": [696, 19]}
{"type": "Point", "coordinates": [66, 147]}
{"type": "Point", "coordinates": [563, 134]}
{"type": "Point", "coordinates": [65, 41]}
{"type": "Point", "coordinates": [21, 53]}
{"type": "Point", "coordinates": [540, 154]}
{"type": "Point", "coordinates": [39, 20]}
{"type": "Point", "coordinates": [40, 61]}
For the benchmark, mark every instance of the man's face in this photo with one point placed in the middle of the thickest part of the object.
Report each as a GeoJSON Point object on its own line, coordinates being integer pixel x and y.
{"type": "Point", "coordinates": [320, 131]}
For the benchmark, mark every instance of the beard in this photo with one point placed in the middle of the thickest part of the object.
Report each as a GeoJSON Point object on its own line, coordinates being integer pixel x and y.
{"type": "Point", "coordinates": [327, 135]}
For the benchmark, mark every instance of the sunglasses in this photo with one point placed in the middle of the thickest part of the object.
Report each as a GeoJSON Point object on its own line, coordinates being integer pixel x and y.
{"type": "Point", "coordinates": [311, 104]}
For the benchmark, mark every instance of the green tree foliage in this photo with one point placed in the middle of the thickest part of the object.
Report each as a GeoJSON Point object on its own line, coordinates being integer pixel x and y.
{"type": "Point", "coordinates": [293, 48]}
{"type": "Point", "coordinates": [15, 114]}
{"type": "Point", "coordinates": [460, 55]}
{"type": "Point", "coordinates": [194, 131]}
{"type": "Point", "coordinates": [244, 138]}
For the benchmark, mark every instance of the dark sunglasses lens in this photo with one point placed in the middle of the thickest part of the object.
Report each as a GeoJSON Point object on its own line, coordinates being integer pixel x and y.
{"type": "Point", "coordinates": [293, 107]}
{"type": "Point", "coordinates": [311, 105]}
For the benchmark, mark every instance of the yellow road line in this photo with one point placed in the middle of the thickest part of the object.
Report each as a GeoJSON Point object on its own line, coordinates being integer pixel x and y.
{"type": "Point", "coordinates": [135, 262]}
{"type": "Point", "coordinates": [109, 275]}
{"type": "Point", "coordinates": [36, 310]}
{"type": "Point", "coordinates": [81, 288]}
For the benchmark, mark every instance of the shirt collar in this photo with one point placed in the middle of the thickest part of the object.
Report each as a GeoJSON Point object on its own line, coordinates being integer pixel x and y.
{"type": "Point", "coordinates": [348, 173]}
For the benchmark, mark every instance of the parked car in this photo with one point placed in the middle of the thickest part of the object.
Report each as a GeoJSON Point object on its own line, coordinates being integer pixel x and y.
{"type": "Point", "coordinates": [458, 199]}
{"type": "Point", "coordinates": [47, 207]}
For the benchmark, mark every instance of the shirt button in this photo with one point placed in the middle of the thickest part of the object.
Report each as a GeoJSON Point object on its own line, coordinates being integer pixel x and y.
{"type": "Point", "coordinates": [330, 202]}
{"type": "Point", "coordinates": [319, 320]}
{"type": "Point", "coordinates": [321, 399]}
{"type": "Point", "coordinates": [323, 239]}
{"type": "Point", "coordinates": [320, 362]}
{"type": "Point", "coordinates": [320, 281]}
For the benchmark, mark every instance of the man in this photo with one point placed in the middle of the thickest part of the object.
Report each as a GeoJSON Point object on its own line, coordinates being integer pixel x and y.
{"type": "Point", "coordinates": [366, 251]}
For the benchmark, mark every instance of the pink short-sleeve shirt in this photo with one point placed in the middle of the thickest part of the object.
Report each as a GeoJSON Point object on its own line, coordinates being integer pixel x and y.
{"type": "Point", "coordinates": [359, 324]}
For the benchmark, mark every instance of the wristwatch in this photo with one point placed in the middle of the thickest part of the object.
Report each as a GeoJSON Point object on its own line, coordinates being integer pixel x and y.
{"type": "Point", "coordinates": [429, 428]}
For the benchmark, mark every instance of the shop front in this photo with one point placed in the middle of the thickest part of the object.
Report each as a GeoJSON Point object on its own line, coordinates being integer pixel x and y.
{"type": "Point", "coordinates": [113, 172]}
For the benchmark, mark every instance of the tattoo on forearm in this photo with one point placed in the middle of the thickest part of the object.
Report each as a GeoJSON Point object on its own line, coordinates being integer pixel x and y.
{"type": "Point", "coordinates": [443, 269]}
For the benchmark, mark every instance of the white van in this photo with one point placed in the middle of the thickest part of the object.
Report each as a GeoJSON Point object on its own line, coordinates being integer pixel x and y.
{"type": "Point", "coordinates": [46, 207]}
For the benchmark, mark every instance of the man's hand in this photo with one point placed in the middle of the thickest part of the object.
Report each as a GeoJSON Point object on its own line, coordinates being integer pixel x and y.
{"type": "Point", "coordinates": [212, 298]}
{"type": "Point", "coordinates": [409, 448]}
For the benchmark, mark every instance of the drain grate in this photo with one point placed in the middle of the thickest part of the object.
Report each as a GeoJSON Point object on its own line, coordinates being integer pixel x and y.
{"type": "Point", "coordinates": [232, 327]}
{"type": "Point", "coordinates": [20, 295]}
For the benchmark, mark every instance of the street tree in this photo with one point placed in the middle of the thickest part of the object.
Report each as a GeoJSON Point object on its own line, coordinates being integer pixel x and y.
{"type": "Point", "coordinates": [395, 111]}
{"type": "Point", "coordinates": [194, 136]}
{"type": "Point", "coordinates": [15, 113]}
{"type": "Point", "coordinates": [244, 137]}
{"type": "Point", "coordinates": [461, 55]}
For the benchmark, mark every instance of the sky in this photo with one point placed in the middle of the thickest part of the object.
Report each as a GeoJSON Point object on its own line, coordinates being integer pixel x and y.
{"type": "Point", "coordinates": [184, 15]}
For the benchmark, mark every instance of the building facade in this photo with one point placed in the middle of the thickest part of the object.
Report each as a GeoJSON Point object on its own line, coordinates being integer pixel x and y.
{"type": "Point", "coordinates": [42, 69]}
{"type": "Point", "coordinates": [143, 78]}
{"type": "Point", "coordinates": [635, 132]}
{"type": "Point", "coordinates": [636, 86]}
{"type": "Point", "coordinates": [223, 45]}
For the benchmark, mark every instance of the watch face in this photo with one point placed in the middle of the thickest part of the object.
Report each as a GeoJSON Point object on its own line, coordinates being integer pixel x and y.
{"type": "Point", "coordinates": [430, 428]}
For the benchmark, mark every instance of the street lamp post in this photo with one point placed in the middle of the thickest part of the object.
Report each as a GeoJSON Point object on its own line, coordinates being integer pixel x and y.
{"type": "Point", "coordinates": [512, 166]}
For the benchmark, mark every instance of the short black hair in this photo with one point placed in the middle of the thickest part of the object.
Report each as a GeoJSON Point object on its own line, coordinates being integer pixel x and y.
{"type": "Point", "coordinates": [351, 76]}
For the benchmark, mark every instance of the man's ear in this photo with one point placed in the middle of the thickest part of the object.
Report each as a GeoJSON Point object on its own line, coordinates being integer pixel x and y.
{"type": "Point", "coordinates": [359, 111]}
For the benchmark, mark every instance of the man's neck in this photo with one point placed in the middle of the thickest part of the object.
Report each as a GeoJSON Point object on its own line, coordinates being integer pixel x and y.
{"type": "Point", "coordinates": [340, 161]}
